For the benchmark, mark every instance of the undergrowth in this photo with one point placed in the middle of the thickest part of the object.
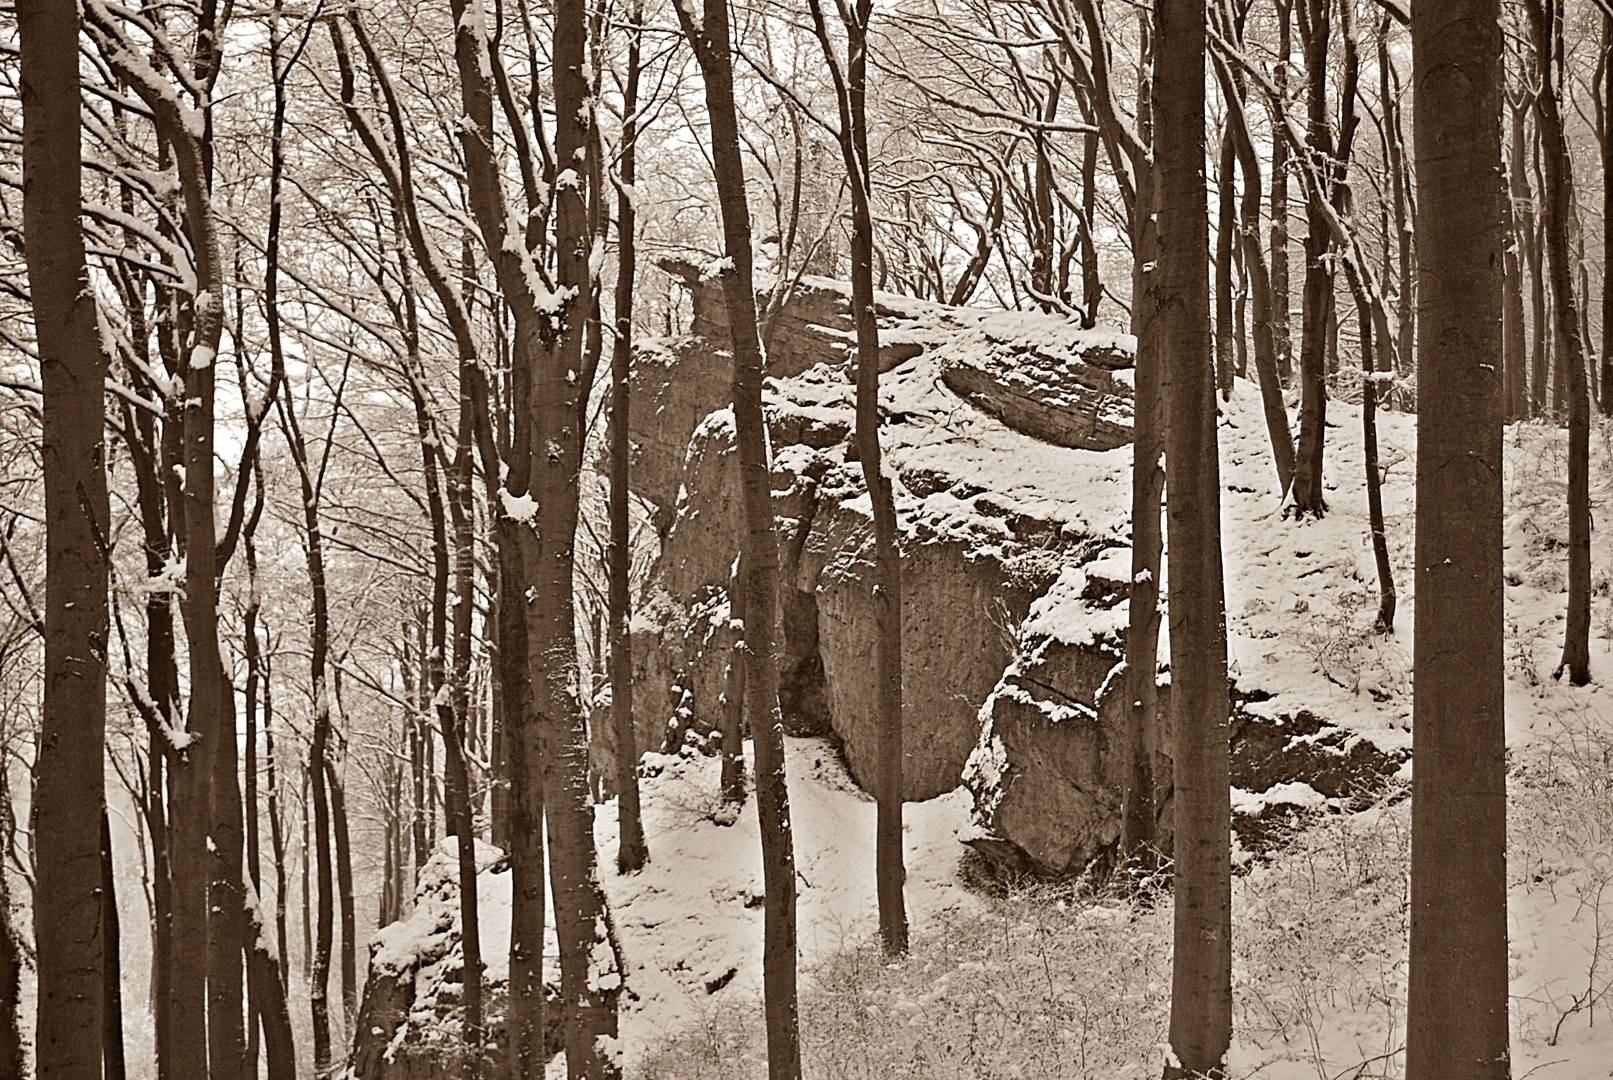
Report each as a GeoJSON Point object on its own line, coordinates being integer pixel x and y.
{"type": "Point", "coordinates": [1046, 984]}
{"type": "Point", "coordinates": [1055, 984]}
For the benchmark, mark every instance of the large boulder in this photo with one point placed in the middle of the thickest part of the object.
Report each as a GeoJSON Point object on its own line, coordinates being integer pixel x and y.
{"type": "Point", "coordinates": [1047, 772]}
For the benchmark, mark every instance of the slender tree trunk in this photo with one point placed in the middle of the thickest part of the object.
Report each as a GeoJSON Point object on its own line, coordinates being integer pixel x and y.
{"type": "Point", "coordinates": [1539, 300]}
{"type": "Point", "coordinates": [1091, 282]}
{"type": "Point", "coordinates": [631, 852]}
{"type": "Point", "coordinates": [733, 702]}
{"type": "Point", "coordinates": [1240, 310]}
{"type": "Point", "coordinates": [1279, 205]}
{"type": "Point", "coordinates": [112, 1060]}
{"type": "Point", "coordinates": [1456, 1012]}
{"type": "Point", "coordinates": [1395, 155]}
{"type": "Point", "coordinates": [1514, 346]}
{"type": "Point", "coordinates": [460, 827]}
{"type": "Point", "coordinates": [759, 547]}
{"type": "Point", "coordinates": [277, 841]}
{"type": "Point", "coordinates": [851, 85]}
{"type": "Point", "coordinates": [1385, 622]}
{"type": "Point", "coordinates": [344, 891]}
{"type": "Point", "coordinates": [1605, 383]}
{"type": "Point", "coordinates": [1544, 19]}
{"type": "Point", "coordinates": [1226, 191]}
{"type": "Point", "coordinates": [453, 717]}
{"type": "Point", "coordinates": [254, 663]}
{"type": "Point", "coordinates": [1265, 316]}
{"type": "Point", "coordinates": [1309, 497]}
{"type": "Point", "coordinates": [1138, 814]}
{"type": "Point", "coordinates": [303, 882]}
{"type": "Point", "coordinates": [1201, 982]}
{"type": "Point", "coordinates": [11, 1060]}
{"type": "Point", "coordinates": [68, 797]}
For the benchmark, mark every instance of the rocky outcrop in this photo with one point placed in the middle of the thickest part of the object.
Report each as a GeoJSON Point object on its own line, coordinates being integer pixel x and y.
{"type": "Point", "coordinates": [1014, 534]}
{"type": "Point", "coordinates": [1060, 388]}
{"type": "Point", "coordinates": [410, 1018]}
{"type": "Point", "coordinates": [975, 550]}
{"type": "Point", "coordinates": [1046, 774]}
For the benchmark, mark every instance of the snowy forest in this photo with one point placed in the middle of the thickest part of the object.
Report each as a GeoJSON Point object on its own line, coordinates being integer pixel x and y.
{"type": "Point", "coordinates": [712, 539]}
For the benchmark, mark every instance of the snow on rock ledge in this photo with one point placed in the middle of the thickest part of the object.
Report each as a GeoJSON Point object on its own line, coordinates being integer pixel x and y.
{"type": "Point", "coordinates": [1046, 773]}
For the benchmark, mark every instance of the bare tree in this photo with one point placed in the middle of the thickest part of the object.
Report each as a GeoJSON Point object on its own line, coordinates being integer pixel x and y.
{"type": "Point", "coordinates": [850, 79]}
{"type": "Point", "coordinates": [1201, 974]}
{"type": "Point", "coordinates": [68, 801]}
{"type": "Point", "coordinates": [1456, 1008]}
{"type": "Point", "coordinates": [708, 35]}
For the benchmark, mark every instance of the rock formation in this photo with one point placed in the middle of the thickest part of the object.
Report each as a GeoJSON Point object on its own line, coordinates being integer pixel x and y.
{"type": "Point", "coordinates": [410, 1018]}
{"type": "Point", "coordinates": [1006, 433]}
{"type": "Point", "coordinates": [979, 543]}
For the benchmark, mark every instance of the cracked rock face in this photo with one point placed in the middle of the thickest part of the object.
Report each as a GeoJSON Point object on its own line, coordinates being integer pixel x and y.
{"type": "Point", "coordinates": [975, 549]}
{"type": "Point", "coordinates": [1004, 433]}
{"type": "Point", "coordinates": [1047, 773]}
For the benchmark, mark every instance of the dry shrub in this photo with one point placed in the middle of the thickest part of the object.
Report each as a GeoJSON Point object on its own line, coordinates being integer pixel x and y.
{"type": "Point", "coordinates": [1047, 984]}
{"type": "Point", "coordinates": [1559, 834]}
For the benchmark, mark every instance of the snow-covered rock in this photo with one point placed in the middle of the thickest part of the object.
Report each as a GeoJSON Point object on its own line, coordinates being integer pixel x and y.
{"type": "Point", "coordinates": [409, 1023]}
{"type": "Point", "coordinates": [1047, 772]}
{"type": "Point", "coordinates": [980, 539]}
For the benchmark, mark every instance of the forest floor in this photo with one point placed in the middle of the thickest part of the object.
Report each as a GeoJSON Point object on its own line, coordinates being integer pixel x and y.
{"type": "Point", "coordinates": [1049, 982]}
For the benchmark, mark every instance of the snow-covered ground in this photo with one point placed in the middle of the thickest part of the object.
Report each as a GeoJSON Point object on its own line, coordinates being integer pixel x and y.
{"type": "Point", "coordinates": [1320, 971]}
{"type": "Point", "coordinates": [1041, 984]}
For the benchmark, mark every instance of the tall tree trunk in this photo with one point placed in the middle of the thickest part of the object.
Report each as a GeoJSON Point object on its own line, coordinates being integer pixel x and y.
{"type": "Point", "coordinates": [524, 1020]}
{"type": "Point", "coordinates": [1395, 155]}
{"type": "Point", "coordinates": [1138, 814]}
{"type": "Point", "coordinates": [1385, 622]}
{"type": "Point", "coordinates": [344, 891]}
{"type": "Point", "coordinates": [1201, 980]}
{"type": "Point", "coordinates": [266, 986]}
{"type": "Point", "coordinates": [851, 86]}
{"type": "Point", "coordinates": [460, 827]}
{"type": "Point", "coordinates": [68, 796]}
{"type": "Point", "coordinates": [1309, 496]}
{"type": "Point", "coordinates": [1545, 20]}
{"type": "Point", "coordinates": [307, 902]}
{"type": "Point", "coordinates": [227, 921]}
{"type": "Point", "coordinates": [195, 1044]}
{"type": "Point", "coordinates": [1091, 282]}
{"type": "Point", "coordinates": [1279, 203]}
{"type": "Point", "coordinates": [277, 840]}
{"type": "Point", "coordinates": [759, 546]}
{"type": "Point", "coordinates": [549, 359]}
{"type": "Point", "coordinates": [631, 852]}
{"type": "Point", "coordinates": [1605, 383]}
{"type": "Point", "coordinates": [309, 478]}
{"type": "Point", "coordinates": [1515, 354]}
{"type": "Point", "coordinates": [11, 1060]}
{"type": "Point", "coordinates": [1265, 343]}
{"type": "Point", "coordinates": [1539, 300]}
{"type": "Point", "coordinates": [1456, 1010]}
{"type": "Point", "coordinates": [733, 704]}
